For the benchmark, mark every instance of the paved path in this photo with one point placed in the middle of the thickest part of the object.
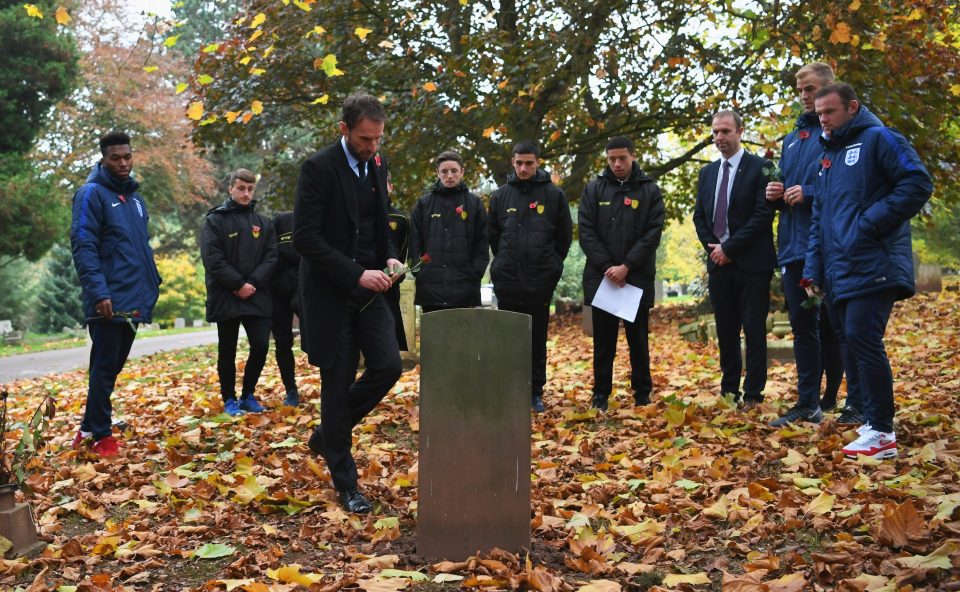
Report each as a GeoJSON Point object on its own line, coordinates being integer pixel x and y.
{"type": "Point", "coordinates": [61, 360]}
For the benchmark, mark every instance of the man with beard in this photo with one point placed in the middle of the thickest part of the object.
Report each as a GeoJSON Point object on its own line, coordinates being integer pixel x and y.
{"type": "Point", "coordinates": [530, 232]}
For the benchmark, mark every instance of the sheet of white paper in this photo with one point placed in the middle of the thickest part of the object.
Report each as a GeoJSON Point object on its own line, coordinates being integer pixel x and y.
{"type": "Point", "coordinates": [621, 302]}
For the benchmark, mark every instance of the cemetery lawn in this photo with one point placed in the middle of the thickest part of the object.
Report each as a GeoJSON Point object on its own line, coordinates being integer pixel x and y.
{"type": "Point", "coordinates": [685, 494]}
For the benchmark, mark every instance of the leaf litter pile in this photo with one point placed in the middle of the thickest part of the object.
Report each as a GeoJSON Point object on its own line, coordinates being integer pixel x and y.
{"type": "Point", "coordinates": [685, 494]}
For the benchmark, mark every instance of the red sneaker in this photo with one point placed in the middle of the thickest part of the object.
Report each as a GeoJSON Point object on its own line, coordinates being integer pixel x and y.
{"type": "Point", "coordinates": [79, 439]}
{"type": "Point", "coordinates": [873, 444]}
{"type": "Point", "coordinates": [106, 446]}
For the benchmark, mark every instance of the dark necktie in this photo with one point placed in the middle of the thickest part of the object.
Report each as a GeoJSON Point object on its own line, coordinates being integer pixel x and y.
{"type": "Point", "coordinates": [362, 170]}
{"type": "Point", "coordinates": [720, 212]}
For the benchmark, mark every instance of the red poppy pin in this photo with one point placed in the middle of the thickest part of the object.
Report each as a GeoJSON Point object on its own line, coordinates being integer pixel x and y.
{"type": "Point", "coordinates": [256, 231]}
{"type": "Point", "coordinates": [121, 198]}
{"type": "Point", "coordinates": [804, 134]}
{"type": "Point", "coordinates": [534, 205]}
{"type": "Point", "coordinates": [376, 159]}
{"type": "Point", "coordinates": [627, 201]}
{"type": "Point", "coordinates": [825, 163]}
{"type": "Point", "coordinates": [461, 212]}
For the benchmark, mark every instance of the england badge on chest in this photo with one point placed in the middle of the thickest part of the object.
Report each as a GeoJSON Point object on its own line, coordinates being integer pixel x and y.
{"type": "Point", "coordinates": [852, 156]}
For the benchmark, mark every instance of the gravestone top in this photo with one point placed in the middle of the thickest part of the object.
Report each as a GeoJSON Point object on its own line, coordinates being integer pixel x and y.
{"type": "Point", "coordinates": [6, 326]}
{"type": "Point", "coordinates": [474, 471]}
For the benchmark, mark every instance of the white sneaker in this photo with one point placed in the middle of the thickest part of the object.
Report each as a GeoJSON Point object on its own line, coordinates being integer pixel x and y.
{"type": "Point", "coordinates": [872, 444]}
{"type": "Point", "coordinates": [864, 428]}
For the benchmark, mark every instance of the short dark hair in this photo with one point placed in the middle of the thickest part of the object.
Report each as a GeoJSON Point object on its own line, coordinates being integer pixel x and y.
{"type": "Point", "coordinates": [729, 113]}
{"type": "Point", "coordinates": [620, 142]}
{"type": "Point", "coordinates": [361, 106]}
{"type": "Point", "coordinates": [844, 90]}
{"type": "Point", "coordinates": [242, 175]}
{"type": "Point", "coordinates": [114, 138]}
{"type": "Point", "coordinates": [526, 147]}
{"type": "Point", "coordinates": [448, 155]}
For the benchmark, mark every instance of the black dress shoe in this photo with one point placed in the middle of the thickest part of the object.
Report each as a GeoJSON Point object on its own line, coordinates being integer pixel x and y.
{"type": "Point", "coordinates": [315, 443]}
{"type": "Point", "coordinates": [641, 399]}
{"type": "Point", "coordinates": [353, 501]}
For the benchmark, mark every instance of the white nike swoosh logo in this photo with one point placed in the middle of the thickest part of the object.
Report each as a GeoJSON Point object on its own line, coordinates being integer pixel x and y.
{"type": "Point", "coordinates": [116, 204]}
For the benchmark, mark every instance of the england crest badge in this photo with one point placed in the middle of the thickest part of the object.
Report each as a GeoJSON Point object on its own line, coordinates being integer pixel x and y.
{"type": "Point", "coordinates": [852, 156]}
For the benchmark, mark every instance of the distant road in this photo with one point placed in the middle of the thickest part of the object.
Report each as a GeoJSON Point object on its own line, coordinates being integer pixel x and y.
{"type": "Point", "coordinates": [35, 364]}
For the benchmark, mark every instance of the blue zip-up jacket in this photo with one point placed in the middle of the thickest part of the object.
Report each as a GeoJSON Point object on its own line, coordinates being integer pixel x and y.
{"type": "Point", "coordinates": [798, 163]}
{"type": "Point", "coordinates": [111, 247]}
{"type": "Point", "coordinates": [870, 183]}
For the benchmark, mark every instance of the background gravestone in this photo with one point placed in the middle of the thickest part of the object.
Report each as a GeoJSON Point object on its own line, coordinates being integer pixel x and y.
{"type": "Point", "coordinates": [474, 472]}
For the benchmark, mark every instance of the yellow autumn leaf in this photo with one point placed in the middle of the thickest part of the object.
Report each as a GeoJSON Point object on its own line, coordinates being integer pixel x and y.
{"type": "Point", "coordinates": [840, 33]}
{"type": "Point", "coordinates": [429, 87]}
{"type": "Point", "coordinates": [464, 2]}
{"type": "Point", "coordinates": [488, 132]}
{"type": "Point", "coordinates": [939, 559]}
{"type": "Point", "coordinates": [171, 41]}
{"type": "Point", "coordinates": [247, 116]}
{"type": "Point", "coordinates": [854, 6]}
{"type": "Point", "coordinates": [321, 100]}
{"type": "Point", "coordinates": [149, 69]}
{"type": "Point", "coordinates": [256, 107]}
{"type": "Point", "coordinates": [955, 89]}
{"type": "Point", "coordinates": [181, 86]}
{"type": "Point", "coordinates": [232, 116]}
{"type": "Point", "coordinates": [258, 20]}
{"type": "Point", "coordinates": [600, 586]}
{"type": "Point", "coordinates": [303, 5]}
{"type": "Point", "coordinates": [33, 11]}
{"type": "Point", "coordinates": [256, 35]}
{"type": "Point", "coordinates": [362, 32]}
{"type": "Point", "coordinates": [62, 16]}
{"type": "Point", "coordinates": [257, 71]}
{"type": "Point", "coordinates": [195, 110]}
{"type": "Point", "coordinates": [290, 574]}
{"type": "Point", "coordinates": [268, 529]}
{"type": "Point", "coordinates": [329, 65]}
{"type": "Point", "coordinates": [674, 580]}
{"type": "Point", "coordinates": [821, 505]}
{"type": "Point", "coordinates": [317, 30]}
{"type": "Point", "coordinates": [245, 60]}
{"type": "Point", "coordinates": [719, 509]}
{"type": "Point", "coordinates": [794, 582]}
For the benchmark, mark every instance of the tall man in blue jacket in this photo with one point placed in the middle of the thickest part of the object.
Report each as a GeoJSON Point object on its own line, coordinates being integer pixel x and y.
{"type": "Point", "coordinates": [870, 183]}
{"type": "Point", "coordinates": [118, 276]}
{"type": "Point", "coordinates": [815, 344]}
{"type": "Point", "coordinates": [735, 225]}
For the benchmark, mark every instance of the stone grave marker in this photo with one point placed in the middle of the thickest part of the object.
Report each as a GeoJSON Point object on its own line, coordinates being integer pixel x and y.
{"type": "Point", "coordinates": [474, 471]}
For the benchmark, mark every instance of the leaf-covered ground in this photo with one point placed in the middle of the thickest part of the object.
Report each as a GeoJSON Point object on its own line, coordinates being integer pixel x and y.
{"type": "Point", "coordinates": [685, 494]}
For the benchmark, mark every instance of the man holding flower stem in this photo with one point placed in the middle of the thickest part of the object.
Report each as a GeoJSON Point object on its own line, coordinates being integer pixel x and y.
{"type": "Point", "coordinates": [815, 344]}
{"type": "Point", "coordinates": [342, 233]}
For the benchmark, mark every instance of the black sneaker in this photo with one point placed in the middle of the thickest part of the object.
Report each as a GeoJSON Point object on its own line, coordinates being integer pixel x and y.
{"type": "Point", "coordinates": [538, 404]}
{"type": "Point", "coordinates": [851, 416]}
{"type": "Point", "coordinates": [599, 402]}
{"type": "Point", "coordinates": [796, 414]}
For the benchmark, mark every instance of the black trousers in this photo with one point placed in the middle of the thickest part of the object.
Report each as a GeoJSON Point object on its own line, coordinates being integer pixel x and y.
{"type": "Point", "coordinates": [258, 335]}
{"type": "Point", "coordinates": [741, 299]}
{"type": "Point", "coordinates": [283, 338]}
{"type": "Point", "coordinates": [540, 312]}
{"type": "Point", "coordinates": [606, 328]}
{"type": "Point", "coordinates": [111, 346]}
{"type": "Point", "coordinates": [344, 399]}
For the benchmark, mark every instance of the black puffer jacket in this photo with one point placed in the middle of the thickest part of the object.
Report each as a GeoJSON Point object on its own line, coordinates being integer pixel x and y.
{"type": "Point", "coordinates": [450, 225]}
{"type": "Point", "coordinates": [530, 233]}
{"type": "Point", "coordinates": [287, 271]}
{"type": "Point", "coordinates": [621, 223]}
{"type": "Point", "coordinates": [238, 246]}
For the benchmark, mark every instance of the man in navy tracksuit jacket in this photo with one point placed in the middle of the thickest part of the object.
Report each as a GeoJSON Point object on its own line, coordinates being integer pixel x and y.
{"type": "Point", "coordinates": [815, 344]}
{"type": "Point", "coordinates": [870, 183]}
{"type": "Point", "coordinates": [112, 254]}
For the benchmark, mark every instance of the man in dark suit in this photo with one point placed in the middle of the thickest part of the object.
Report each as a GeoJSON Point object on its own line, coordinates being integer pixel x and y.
{"type": "Point", "coordinates": [735, 225]}
{"type": "Point", "coordinates": [341, 231]}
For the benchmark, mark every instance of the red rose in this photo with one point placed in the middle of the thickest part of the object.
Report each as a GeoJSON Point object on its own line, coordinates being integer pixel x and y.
{"type": "Point", "coordinates": [804, 134]}
{"type": "Point", "coordinates": [425, 258]}
{"type": "Point", "coordinates": [768, 154]}
{"type": "Point", "coordinates": [825, 163]}
{"type": "Point", "coordinates": [806, 283]}
{"type": "Point", "coordinates": [377, 160]}
{"type": "Point", "coordinates": [135, 313]}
